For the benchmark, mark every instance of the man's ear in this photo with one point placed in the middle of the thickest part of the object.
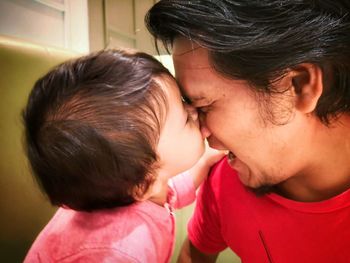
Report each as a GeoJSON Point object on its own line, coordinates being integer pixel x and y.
{"type": "Point", "coordinates": [306, 80]}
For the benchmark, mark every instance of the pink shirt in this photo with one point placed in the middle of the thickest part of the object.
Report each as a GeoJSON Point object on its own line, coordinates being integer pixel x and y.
{"type": "Point", "coordinates": [268, 228]}
{"type": "Point", "coordinates": [141, 232]}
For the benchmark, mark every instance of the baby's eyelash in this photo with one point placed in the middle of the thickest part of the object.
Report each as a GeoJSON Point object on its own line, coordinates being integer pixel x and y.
{"type": "Point", "coordinates": [185, 100]}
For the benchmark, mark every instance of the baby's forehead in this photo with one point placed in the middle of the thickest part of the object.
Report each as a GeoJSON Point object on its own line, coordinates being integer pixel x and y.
{"type": "Point", "coordinates": [168, 85]}
{"type": "Point", "coordinates": [169, 89]}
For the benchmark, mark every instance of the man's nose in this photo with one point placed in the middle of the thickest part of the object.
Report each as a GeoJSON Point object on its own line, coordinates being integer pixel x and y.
{"type": "Point", "coordinates": [204, 129]}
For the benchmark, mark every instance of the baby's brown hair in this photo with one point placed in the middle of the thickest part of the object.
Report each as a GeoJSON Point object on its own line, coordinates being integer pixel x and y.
{"type": "Point", "coordinates": [92, 126]}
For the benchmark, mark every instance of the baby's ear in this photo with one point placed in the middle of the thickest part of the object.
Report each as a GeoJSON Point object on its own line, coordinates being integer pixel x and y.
{"type": "Point", "coordinates": [138, 193]}
{"type": "Point", "coordinates": [306, 81]}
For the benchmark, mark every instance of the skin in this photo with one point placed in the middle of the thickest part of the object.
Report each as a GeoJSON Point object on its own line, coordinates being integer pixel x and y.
{"type": "Point", "coordinates": [181, 145]}
{"type": "Point", "coordinates": [297, 156]}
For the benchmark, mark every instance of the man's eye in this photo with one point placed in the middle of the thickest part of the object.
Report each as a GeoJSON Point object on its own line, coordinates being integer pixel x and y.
{"type": "Point", "coordinates": [185, 100]}
{"type": "Point", "coordinates": [203, 109]}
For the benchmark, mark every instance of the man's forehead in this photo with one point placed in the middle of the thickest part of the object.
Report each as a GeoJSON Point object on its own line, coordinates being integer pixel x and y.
{"type": "Point", "coordinates": [182, 46]}
{"type": "Point", "coordinates": [189, 54]}
{"type": "Point", "coordinates": [191, 63]}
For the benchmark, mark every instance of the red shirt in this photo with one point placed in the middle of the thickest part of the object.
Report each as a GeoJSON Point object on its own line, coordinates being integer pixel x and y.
{"type": "Point", "coordinates": [269, 228]}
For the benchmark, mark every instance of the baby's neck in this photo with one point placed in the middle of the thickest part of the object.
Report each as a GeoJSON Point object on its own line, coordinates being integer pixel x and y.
{"type": "Point", "coordinates": [158, 192]}
{"type": "Point", "coordinates": [159, 199]}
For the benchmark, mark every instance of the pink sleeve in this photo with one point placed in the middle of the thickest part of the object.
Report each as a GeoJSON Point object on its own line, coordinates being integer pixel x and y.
{"type": "Point", "coordinates": [204, 228]}
{"type": "Point", "coordinates": [184, 190]}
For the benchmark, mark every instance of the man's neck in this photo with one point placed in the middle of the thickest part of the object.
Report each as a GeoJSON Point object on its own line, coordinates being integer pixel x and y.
{"type": "Point", "coordinates": [328, 172]}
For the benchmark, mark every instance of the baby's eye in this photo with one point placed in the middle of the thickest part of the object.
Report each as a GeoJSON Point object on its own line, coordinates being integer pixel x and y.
{"type": "Point", "coordinates": [185, 100]}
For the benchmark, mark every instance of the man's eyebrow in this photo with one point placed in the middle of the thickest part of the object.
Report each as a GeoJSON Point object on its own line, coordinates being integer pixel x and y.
{"type": "Point", "coordinates": [194, 99]}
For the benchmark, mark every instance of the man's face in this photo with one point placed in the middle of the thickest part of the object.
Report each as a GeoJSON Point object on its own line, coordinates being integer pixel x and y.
{"type": "Point", "coordinates": [233, 119]}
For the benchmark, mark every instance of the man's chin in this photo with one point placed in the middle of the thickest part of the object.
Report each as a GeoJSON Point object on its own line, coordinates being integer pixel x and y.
{"type": "Point", "coordinates": [262, 190]}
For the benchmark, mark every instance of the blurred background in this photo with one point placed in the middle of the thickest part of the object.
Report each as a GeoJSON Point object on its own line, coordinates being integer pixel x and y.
{"type": "Point", "coordinates": [70, 28]}
{"type": "Point", "coordinates": [78, 25]}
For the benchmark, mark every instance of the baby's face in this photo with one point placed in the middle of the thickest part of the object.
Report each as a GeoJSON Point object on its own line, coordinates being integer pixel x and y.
{"type": "Point", "coordinates": [180, 143]}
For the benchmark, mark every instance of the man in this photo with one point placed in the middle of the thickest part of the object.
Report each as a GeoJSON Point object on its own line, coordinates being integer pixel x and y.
{"type": "Point", "coordinates": [271, 82]}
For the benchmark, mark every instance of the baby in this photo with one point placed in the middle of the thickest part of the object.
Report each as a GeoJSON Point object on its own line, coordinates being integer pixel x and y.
{"type": "Point", "coordinates": [108, 138]}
